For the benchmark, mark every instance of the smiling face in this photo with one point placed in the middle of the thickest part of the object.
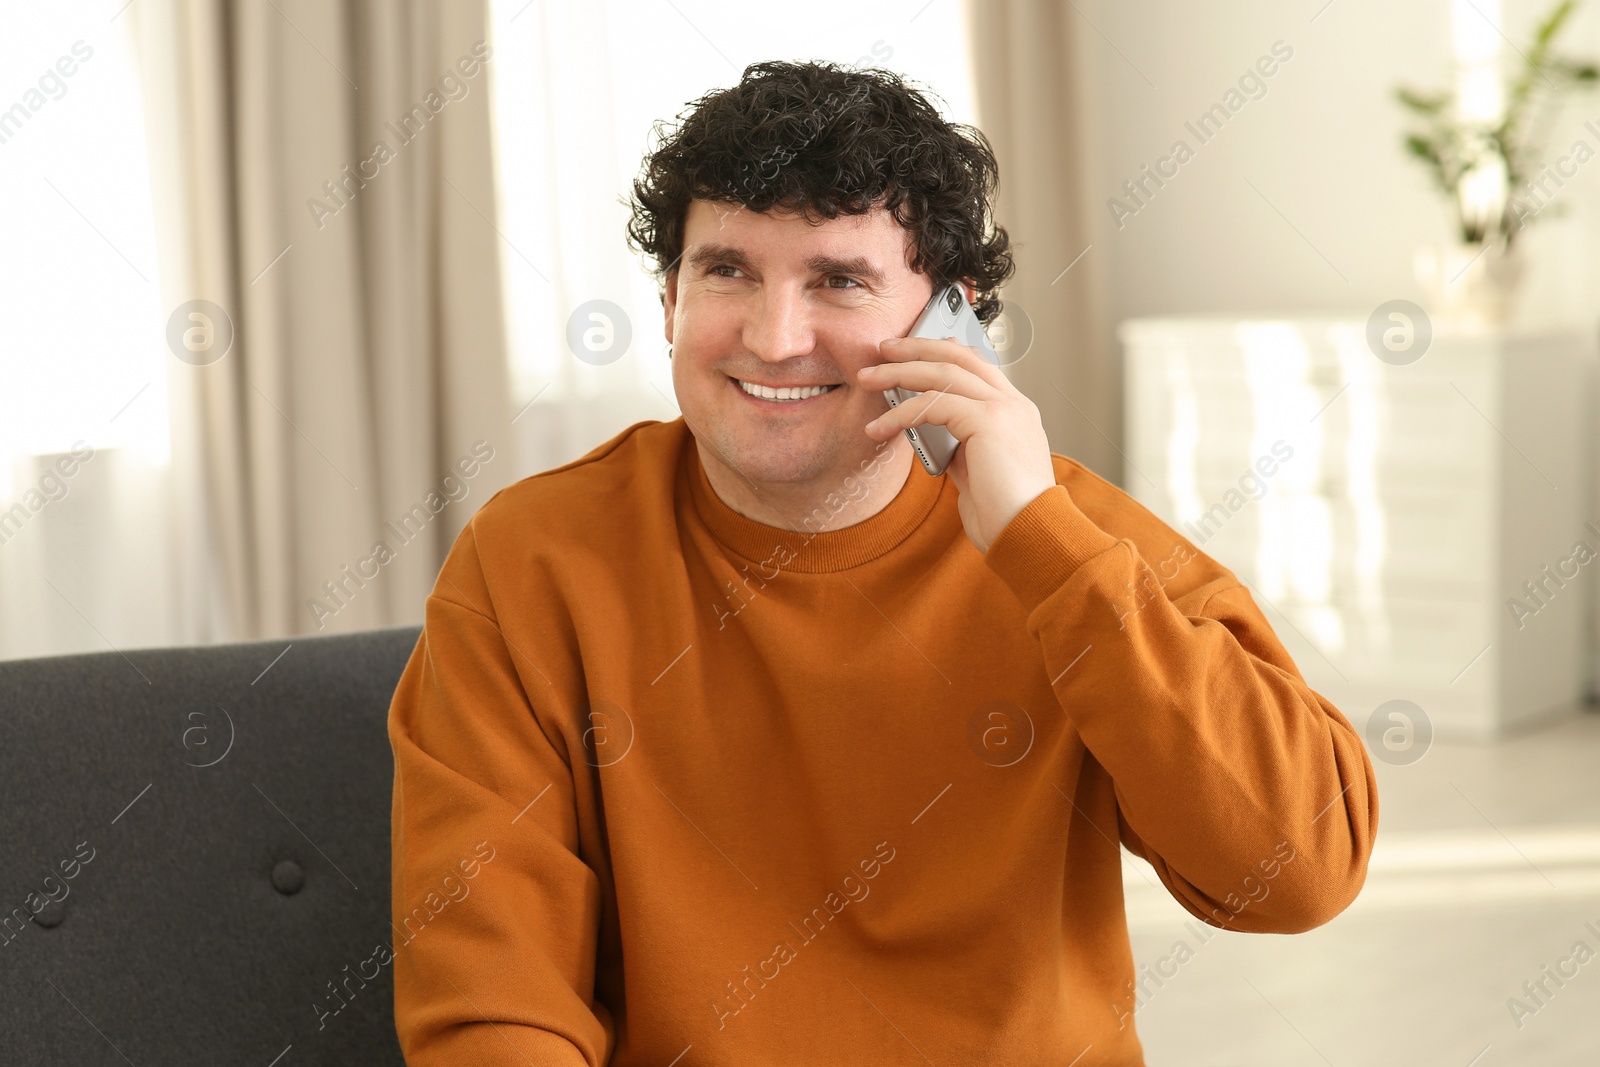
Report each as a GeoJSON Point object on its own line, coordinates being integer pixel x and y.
{"type": "Point", "coordinates": [773, 300]}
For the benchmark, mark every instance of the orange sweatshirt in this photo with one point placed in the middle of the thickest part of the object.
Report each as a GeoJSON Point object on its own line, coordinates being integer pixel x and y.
{"type": "Point", "coordinates": [675, 787]}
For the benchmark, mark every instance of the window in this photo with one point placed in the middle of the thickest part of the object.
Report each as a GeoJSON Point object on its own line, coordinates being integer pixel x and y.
{"type": "Point", "coordinates": [85, 563]}
{"type": "Point", "coordinates": [82, 356]}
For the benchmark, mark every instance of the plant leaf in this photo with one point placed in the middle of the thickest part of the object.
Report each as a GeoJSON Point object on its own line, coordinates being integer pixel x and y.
{"type": "Point", "coordinates": [1423, 102]}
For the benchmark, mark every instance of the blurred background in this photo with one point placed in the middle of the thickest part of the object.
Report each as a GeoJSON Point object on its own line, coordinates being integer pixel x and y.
{"type": "Point", "coordinates": [289, 289]}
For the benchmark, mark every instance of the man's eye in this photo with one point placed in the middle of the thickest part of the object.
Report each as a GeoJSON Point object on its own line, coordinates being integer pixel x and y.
{"type": "Point", "coordinates": [844, 277]}
{"type": "Point", "coordinates": [721, 266]}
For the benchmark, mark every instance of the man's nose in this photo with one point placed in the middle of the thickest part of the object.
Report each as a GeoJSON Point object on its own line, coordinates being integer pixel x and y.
{"type": "Point", "coordinates": [780, 326]}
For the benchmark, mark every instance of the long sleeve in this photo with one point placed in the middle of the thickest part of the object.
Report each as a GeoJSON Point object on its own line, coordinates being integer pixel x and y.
{"type": "Point", "coordinates": [1250, 794]}
{"type": "Point", "coordinates": [495, 912]}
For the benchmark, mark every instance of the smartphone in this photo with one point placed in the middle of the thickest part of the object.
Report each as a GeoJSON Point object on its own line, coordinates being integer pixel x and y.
{"type": "Point", "coordinates": [948, 314]}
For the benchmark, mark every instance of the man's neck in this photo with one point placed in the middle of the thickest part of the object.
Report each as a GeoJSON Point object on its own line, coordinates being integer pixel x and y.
{"type": "Point", "coordinates": [856, 495]}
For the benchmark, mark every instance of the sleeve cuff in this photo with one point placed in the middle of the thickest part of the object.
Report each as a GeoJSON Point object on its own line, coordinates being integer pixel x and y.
{"type": "Point", "coordinates": [1043, 544]}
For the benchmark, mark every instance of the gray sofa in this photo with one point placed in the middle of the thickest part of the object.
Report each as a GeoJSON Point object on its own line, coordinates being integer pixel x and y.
{"type": "Point", "coordinates": [195, 859]}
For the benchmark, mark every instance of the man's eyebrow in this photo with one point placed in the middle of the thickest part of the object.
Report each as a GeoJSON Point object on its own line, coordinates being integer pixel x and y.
{"type": "Point", "coordinates": [715, 252]}
{"type": "Point", "coordinates": [712, 252]}
{"type": "Point", "coordinates": [860, 266]}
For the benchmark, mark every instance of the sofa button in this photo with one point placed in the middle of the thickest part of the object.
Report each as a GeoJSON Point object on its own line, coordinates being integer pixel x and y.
{"type": "Point", "coordinates": [287, 877]}
{"type": "Point", "coordinates": [51, 914]}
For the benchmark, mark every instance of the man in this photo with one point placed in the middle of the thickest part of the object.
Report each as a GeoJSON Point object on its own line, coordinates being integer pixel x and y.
{"type": "Point", "coordinates": [783, 751]}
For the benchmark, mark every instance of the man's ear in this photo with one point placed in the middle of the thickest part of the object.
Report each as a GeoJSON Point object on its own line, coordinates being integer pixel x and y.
{"type": "Point", "coordinates": [669, 301]}
{"type": "Point", "coordinates": [968, 287]}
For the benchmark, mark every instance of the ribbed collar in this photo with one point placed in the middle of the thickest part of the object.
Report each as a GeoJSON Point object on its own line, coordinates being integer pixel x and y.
{"type": "Point", "coordinates": [813, 552]}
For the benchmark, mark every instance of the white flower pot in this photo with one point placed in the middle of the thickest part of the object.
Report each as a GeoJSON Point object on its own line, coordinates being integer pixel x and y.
{"type": "Point", "coordinates": [1470, 288]}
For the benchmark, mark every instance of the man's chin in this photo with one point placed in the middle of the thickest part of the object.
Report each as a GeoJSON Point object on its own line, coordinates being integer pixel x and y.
{"type": "Point", "coordinates": [781, 467]}
{"type": "Point", "coordinates": [788, 456]}
{"type": "Point", "coordinates": [777, 458]}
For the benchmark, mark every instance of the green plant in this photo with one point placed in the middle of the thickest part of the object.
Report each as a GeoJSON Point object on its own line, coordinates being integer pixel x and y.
{"type": "Point", "coordinates": [1453, 148]}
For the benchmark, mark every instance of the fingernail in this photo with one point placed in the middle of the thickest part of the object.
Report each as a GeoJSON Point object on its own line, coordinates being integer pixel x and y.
{"type": "Point", "coordinates": [892, 341]}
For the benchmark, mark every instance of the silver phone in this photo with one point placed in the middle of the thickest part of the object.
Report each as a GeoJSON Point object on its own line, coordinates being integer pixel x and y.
{"type": "Point", "coordinates": [948, 314]}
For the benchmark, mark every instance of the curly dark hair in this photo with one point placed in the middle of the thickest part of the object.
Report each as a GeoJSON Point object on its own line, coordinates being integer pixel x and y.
{"type": "Point", "coordinates": [823, 139]}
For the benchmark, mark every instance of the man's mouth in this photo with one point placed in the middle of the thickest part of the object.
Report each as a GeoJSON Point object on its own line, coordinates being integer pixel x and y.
{"type": "Point", "coordinates": [795, 394]}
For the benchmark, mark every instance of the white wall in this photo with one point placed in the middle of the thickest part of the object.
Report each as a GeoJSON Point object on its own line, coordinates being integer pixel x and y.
{"type": "Point", "coordinates": [1322, 145]}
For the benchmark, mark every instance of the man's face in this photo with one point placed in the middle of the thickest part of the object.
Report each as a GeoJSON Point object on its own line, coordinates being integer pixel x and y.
{"type": "Point", "coordinates": [771, 299]}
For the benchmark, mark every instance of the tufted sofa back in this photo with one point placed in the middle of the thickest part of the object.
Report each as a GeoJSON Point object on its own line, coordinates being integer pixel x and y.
{"type": "Point", "coordinates": [194, 854]}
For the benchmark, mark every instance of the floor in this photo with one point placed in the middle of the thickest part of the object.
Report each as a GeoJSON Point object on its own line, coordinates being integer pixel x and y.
{"type": "Point", "coordinates": [1485, 872]}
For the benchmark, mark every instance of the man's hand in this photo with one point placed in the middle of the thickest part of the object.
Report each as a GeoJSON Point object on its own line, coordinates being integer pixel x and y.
{"type": "Point", "coordinates": [1003, 461]}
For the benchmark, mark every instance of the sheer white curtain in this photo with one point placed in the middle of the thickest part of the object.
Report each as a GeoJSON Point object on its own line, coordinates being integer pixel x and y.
{"type": "Point", "coordinates": [163, 154]}
{"type": "Point", "coordinates": [577, 89]}
{"type": "Point", "coordinates": [91, 533]}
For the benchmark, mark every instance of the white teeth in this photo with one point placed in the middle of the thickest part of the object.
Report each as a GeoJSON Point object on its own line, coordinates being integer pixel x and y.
{"type": "Point", "coordinates": [797, 393]}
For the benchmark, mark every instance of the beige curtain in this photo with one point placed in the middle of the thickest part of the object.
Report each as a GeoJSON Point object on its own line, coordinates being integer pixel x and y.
{"type": "Point", "coordinates": [1031, 106]}
{"type": "Point", "coordinates": [323, 171]}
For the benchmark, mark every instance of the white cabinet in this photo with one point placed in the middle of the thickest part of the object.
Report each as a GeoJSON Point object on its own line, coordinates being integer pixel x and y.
{"type": "Point", "coordinates": [1385, 517]}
